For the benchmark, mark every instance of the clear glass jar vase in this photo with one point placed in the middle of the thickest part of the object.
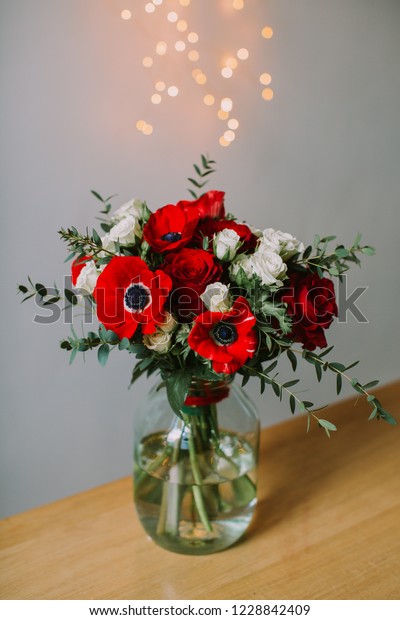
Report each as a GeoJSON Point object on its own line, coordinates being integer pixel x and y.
{"type": "Point", "coordinates": [195, 475]}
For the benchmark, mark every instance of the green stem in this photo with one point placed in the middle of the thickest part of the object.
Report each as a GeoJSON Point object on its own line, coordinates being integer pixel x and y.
{"type": "Point", "coordinates": [168, 521]}
{"type": "Point", "coordinates": [196, 488]}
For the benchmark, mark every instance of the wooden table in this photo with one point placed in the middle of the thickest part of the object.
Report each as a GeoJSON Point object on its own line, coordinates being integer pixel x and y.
{"type": "Point", "coordinates": [327, 527]}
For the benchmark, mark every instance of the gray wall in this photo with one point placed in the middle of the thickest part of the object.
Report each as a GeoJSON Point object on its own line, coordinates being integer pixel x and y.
{"type": "Point", "coordinates": [323, 156]}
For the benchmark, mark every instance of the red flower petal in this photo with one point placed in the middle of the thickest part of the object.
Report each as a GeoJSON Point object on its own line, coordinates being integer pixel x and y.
{"type": "Point", "coordinates": [118, 276]}
{"type": "Point", "coordinates": [226, 358]}
{"type": "Point", "coordinates": [210, 204]}
{"type": "Point", "coordinates": [170, 228]}
{"type": "Point", "coordinates": [77, 266]}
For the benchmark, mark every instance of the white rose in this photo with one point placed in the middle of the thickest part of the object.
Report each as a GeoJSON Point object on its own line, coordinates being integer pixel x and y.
{"type": "Point", "coordinates": [226, 244]}
{"type": "Point", "coordinates": [87, 278]}
{"type": "Point", "coordinates": [216, 297]}
{"type": "Point", "coordinates": [160, 341]}
{"type": "Point", "coordinates": [169, 324]}
{"type": "Point", "coordinates": [126, 231]}
{"type": "Point", "coordinates": [107, 244]}
{"type": "Point", "coordinates": [134, 208]}
{"type": "Point", "coordinates": [268, 266]}
{"type": "Point", "coordinates": [243, 262]}
{"type": "Point", "coordinates": [283, 243]}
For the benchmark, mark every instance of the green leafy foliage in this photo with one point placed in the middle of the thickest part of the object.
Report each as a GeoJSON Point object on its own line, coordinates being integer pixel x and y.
{"type": "Point", "coordinates": [334, 262]}
{"type": "Point", "coordinates": [202, 172]}
{"type": "Point", "coordinates": [177, 384]}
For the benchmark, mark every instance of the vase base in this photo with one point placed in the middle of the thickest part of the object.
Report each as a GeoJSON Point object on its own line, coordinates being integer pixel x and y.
{"type": "Point", "coordinates": [194, 539]}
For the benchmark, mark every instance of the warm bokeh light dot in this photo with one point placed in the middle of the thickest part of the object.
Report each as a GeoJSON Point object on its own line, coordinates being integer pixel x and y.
{"type": "Point", "coordinates": [126, 14]}
{"type": "Point", "coordinates": [226, 72]}
{"type": "Point", "coordinates": [223, 142]}
{"type": "Point", "coordinates": [267, 32]}
{"type": "Point", "coordinates": [226, 104]}
{"type": "Point", "coordinates": [201, 79]}
{"type": "Point", "coordinates": [156, 99]}
{"type": "Point", "coordinates": [267, 94]}
{"type": "Point", "coordinates": [147, 61]}
{"type": "Point", "coordinates": [182, 25]}
{"type": "Point", "coordinates": [140, 124]}
{"type": "Point", "coordinates": [160, 86]}
{"type": "Point", "coordinates": [229, 135]}
{"type": "Point", "coordinates": [233, 123]}
{"type": "Point", "coordinates": [161, 48]}
{"type": "Point", "coordinates": [232, 63]}
{"type": "Point", "coordinates": [193, 55]}
{"type": "Point", "coordinates": [147, 130]}
{"type": "Point", "coordinates": [242, 53]}
{"type": "Point", "coordinates": [265, 79]}
{"type": "Point", "coordinates": [193, 37]}
{"type": "Point", "coordinates": [222, 115]}
{"type": "Point", "coordinates": [238, 4]}
{"type": "Point", "coordinates": [184, 2]}
{"type": "Point", "coordinates": [196, 72]}
{"type": "Point", "coordinates": [209, 99]}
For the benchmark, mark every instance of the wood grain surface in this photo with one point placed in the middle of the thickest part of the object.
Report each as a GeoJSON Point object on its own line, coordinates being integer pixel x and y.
{"type": "Point", "coordinates": [327, 527]}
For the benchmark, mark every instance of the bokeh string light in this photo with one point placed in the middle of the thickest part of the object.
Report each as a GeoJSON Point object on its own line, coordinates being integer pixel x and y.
{"type": "Point", "coordinates": [187, 40]}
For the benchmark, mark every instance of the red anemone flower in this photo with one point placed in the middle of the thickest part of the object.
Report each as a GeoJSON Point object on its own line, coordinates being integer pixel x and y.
{"type": "Point", "coordinates": [210, 204]}
{"type": "Point", "coordinates": [228, 339]}
{"type": "Point", "coordinates": [170, 228]}
{"type": "Point", "coordinates": [128, 293]}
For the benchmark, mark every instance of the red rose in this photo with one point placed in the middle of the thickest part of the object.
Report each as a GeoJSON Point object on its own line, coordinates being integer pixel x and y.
{"type": "Point", "coordinates": [170, 228]}
{"type": "Point", "coordinates": [128, 293]}
{"type": "Point", "coordinates": [210, 204]}
{"type": "Point", "coordinates": [209, 228]}
{"type": "Point", "coordinates": [190, 271]}
{"type": "Point", "coordinates": [77, 266]}
{"type": "Point", "coordinates": [312, 305]}
{"type": "Point", "coordinates": [227, 338]}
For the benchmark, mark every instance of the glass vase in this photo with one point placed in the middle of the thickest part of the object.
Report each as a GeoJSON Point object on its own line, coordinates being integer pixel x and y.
{"type": "Point", "coordinates": [195, 474]}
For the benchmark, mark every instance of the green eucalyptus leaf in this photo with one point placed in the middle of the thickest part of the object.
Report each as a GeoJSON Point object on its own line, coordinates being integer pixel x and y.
{"type": "Point", "coordinates": [96, 238]}
{"type": "Point", "coordinates": [97, 195]}
{"type": "Point", "coordinates": [341, 252]}
{"type": "Point", "coordinates": [370, 385]}
{"type": "Point", "coordinates": [368, 250]}
{"type": "Point", "coordinates": [326, 424]}
{"type": "Point", "coordinates": [73, 355]}
{"type": "Point", "coordinates": [103, 353]}
{"type": "Point", "coordinates": [276, 389]}
{"type": "Point", "coordinates": [292, 358]}
{"type": "Point", "coordinates": [124, 344]}
{"type": "Point", "coordinates": [41, 290]}
{"type": "Point", "coordinates": [111, 337]}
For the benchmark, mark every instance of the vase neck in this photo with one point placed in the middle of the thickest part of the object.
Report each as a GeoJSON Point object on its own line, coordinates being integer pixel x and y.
{"type": "Point", "coordinates": [205, 392]}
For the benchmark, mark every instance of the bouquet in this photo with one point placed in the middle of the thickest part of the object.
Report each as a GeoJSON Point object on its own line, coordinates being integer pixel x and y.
{"type": "Point", "coordinates": [195, 295]}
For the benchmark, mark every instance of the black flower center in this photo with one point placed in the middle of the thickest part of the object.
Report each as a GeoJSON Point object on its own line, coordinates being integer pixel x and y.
{"type": "Point", "coordinates": [224, 333]}
{"type": "Point", "coordinates": [137, 297]}
{"type": "Point", "coordinates": [171, 237]}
